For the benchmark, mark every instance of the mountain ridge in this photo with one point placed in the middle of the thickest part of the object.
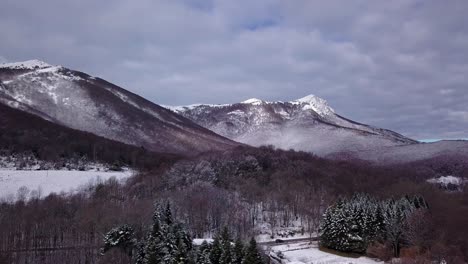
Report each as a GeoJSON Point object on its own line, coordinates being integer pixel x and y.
{"type": "Point", "coordinates": [80, 101]}
{"type": "Point", "coordinates": [299, 124]}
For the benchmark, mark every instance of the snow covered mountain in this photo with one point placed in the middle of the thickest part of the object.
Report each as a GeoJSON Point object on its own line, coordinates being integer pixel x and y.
{"type": "Point", "coordinates": [307, 124]}
{"type": "Point", "coordinates": [79, 101]}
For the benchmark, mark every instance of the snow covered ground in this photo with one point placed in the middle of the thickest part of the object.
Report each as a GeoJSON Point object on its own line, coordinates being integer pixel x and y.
{"type": "Point", "coordinates": [199, 241]}
{"type": "Point", "coordinates": [263, 238]}
{"type": "Point", "coordinates": [447, 180]}
{"type": "Point", "coordinates": [305, 253]}
{"type": "Point", "coordinates": [449, 183]}
{"type": "Point", "coordinates": [45, 182]}
{"type": "Point", "coordinates": [263, 230]}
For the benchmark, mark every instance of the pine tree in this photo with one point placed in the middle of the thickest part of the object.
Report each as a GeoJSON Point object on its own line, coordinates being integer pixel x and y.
{"type": "Point", "coordinates": [168, 241]}
{"type": "Point", "coordinates": [203, 255]}
{"type": "Point", "coordinates": [252, 255]}
{"type": "Point", "coordinates": [140, 253]}
{"type": "Point", "coordinates": [226, 248]}
{"type": "Point", "coordinates": [168, 215]}
{"type": "Point", "coordinates": [216, 250]}
{"type": "Point", "coordinates": [155, 250]}
{"type": "Point", "coordinates": [121, 237]}
{"type": "Point", "coordinates": [378, 223]}
{"type": "Point", "coordinates": [238, 252]}
{"type": "Point", "coordinates": [181, 245]}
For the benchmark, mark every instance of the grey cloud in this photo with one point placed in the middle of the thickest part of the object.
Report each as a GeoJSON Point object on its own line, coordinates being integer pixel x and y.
{"type": "Point", "coordinates": [397, 64]}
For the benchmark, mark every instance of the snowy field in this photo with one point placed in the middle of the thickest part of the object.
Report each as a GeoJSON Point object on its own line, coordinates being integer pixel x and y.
{"type": "Point", "coordinates": [45, 182]}
{"type": "Point", "coordinates": [305, 253]}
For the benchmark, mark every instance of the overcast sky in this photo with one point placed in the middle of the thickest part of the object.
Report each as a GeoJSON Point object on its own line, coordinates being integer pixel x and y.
{"type": "Point", "coordinates": [397, 64]}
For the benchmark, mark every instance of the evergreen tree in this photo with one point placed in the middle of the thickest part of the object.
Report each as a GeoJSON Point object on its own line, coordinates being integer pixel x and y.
{"type": "Point", "coordinates": [238, 252]}
{"type": "Point", "coordinates": [140, 253]}
{"type": "Point", "coordinates": [203, 255]}
{"type": "Point", "coordinates": [121, 237]}
{"type": "Point", "coordinates": [252, 255]}
{"type": "Point", "coordinates": [226, 248]}
{"type": "Point", "coordinates": [216, 250]}
{"type": "Point", "coordinates": [378, 223]}
{"type": "Point", "coordinates": [168, 242]}
{"type": "Point", "coordinates": [181, 245]}
{"type": "Point", "coordinates": [155, 250]}
{"type": "Point", "coordinates": [168, 214]}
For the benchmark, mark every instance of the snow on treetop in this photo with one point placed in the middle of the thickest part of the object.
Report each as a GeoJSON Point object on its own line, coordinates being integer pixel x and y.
{"type": "Point", "coordinates": [252, 101]}
{"type": "Point", "coordinates": [319, 105]}
{"type": "Point", "coordinates": [27, 65]}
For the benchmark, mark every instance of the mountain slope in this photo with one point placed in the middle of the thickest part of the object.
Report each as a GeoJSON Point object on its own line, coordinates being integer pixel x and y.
{"type": "Point", "coordinates": [25, 134]}
{"type": "Point", "coordinates": [79, 101]}
{"type": "Point", "coordinates": [307, 124]}
{"type": "Point", "coordinates": [454, 150]}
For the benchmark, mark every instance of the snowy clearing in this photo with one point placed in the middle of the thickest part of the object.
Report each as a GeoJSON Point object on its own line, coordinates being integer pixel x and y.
{"type": "Point", "coordinates": [45, 182]}
{"type": "Point", "coordinates": [446, 180]}
{"type": "Point", "coordinates": [199, 241]}
{"type": "Point", "coordinates": [264, 238]}
{"type": "Point", "coordinates": [305, 253]}
{"type": "Point", "coordinates": [293, 231]}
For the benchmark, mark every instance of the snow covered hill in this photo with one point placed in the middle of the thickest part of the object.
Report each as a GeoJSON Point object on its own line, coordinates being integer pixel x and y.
{"type": "Point", "coordinates": [307, 124]}
{"type": "Point", "coordinates": [79, 101]}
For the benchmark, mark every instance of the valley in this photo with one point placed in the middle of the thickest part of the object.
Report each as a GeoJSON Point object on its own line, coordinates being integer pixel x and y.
{"type": "Point", "coordinates": [92, 173]}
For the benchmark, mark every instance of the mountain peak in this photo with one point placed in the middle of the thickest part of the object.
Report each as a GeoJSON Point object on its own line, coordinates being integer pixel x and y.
{"type": "Point", "coordinates": [26, 65]}
{"type": "Point", "coordinates": [309, 98]}
{"type": "Point", "coordinates": [252, 101]}
{"type": "Point", "coordinates": [319, 105]}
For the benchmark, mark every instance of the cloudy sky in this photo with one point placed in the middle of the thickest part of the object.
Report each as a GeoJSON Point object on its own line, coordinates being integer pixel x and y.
{"type": "Point", "coordinates": [397, 64]}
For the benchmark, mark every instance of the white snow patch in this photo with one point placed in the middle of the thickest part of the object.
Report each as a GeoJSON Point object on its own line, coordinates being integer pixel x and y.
{"type": "Point", "coordinates": [315, 103]}
{"type": "Point", "coordinates": [305, 253]}
{"type": "Point", "coordinates": [199, 241]}
{"type": "Point", "coordinates": [446, 180]}
{"type": "Point", "coordinates": [263, 238]}
{"type": "Point", "coordinates": [253, 101]}
{"type": "Point", "coordinates": [51, 181]}
{"type": "Point", "coordinates": [22, 99]}
{"type": "Point", "coordinates": [27, 65]}
{"type": "Point", "coordinates": [237, 112]}
{"type": "Point", "coordinates": [50, 69]}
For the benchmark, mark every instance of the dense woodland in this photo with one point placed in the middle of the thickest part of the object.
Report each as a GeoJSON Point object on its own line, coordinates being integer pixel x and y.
{"type": "Point", "coordinates": [235, 189]}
